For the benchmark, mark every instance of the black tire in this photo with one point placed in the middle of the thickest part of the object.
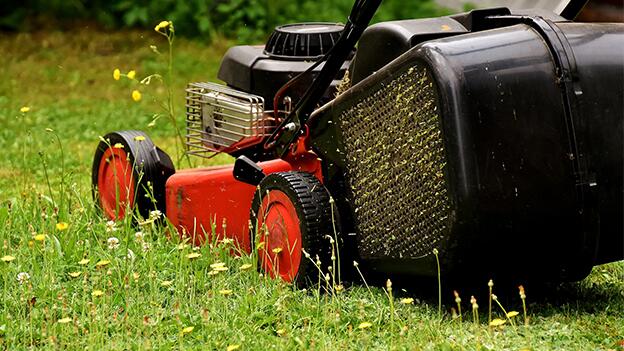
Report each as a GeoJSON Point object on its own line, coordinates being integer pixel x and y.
{"type": "Point", "coordinates": [311, 201]}
{"type": "Point", "coordinates": [151, 167]}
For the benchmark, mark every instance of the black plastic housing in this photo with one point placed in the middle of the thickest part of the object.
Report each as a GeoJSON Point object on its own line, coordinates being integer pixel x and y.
{"type": "Point", "coordinates": [531, 118]}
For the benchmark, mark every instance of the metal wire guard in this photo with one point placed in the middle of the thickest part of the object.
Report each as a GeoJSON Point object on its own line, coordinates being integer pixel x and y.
{"type": "Point", "coordinates": [218, 117]}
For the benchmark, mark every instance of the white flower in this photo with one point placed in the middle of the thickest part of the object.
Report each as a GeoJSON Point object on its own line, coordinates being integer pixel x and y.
{"type": "Point", "coordinates": [113, 243]}
{"type": "Point", "coordinates": [130, 255]}
{"type": "Point", "coordinates": [146, 246]}
{"type": "Point", "coordinates": [138, 236]}
{"type": "Point", "coordinates": [110, 226]}
{"type": "Point", "coordinates": [23, 277]}
{"type": "Point", "coordinates": [155, 214]}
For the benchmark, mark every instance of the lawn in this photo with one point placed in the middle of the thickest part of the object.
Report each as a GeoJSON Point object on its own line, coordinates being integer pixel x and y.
{"type": "Point", "coordinates": [74, 287]}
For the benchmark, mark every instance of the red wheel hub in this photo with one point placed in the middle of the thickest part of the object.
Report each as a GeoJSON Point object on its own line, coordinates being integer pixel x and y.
{"type": "Point", "coordinates": [280, 236]}
{"type": "Point", "coordinates": [115, 183]}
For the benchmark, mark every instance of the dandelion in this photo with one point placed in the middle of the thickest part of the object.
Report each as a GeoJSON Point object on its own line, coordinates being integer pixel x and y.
{"type": "Point", "coordinates": [280, 332]}
{"type": "Point", "coordinates": [24, 109]}
{"type": "Point", "coordinates": [84, 261]}
{"type": "Point", "coordinates": [245, 267]}
{"type": "Point", "coordinates": [475, 309]}
{"type": "Point", "coordinates": [225, 292]}
{"type": "Point", "coordinates": [213, 272]}
{"type": "Point", "coordinates": [60, 226]}
{"type": "Point", "coordinates": [112, 242]}
{"type": "Point", "coordinates": [490, 285]}
{"type": "Point", "coordinates": [102, 263]}
{"type": "Point", "coordinates": [365, 325]}
{"type": "Point", "coordinates": [116, 74]}
{"type": "Point", "coordinates": [497, 322]}
{"type": "Point", "coordinates": [277, 250]}
{"type": "Point", "coordinates": [116, 146]}
{"type": "Point", "coordinates": [136, 95]}
{"type": "Point", "coordinates": [74, 274]}
{"type": "Point", "coordinates": [187, 330]}
{"type": "Point", "coordinates": [407, 301]}
{"type": "Point", "coordinates": [39, 237]}
{"type": "Point", "coordinates": [162, 25]}
{"type": "Point", "coordinates": [97, 293]}
{"type": "Point", "coordinates": [217, 265]}
{"type": "Point", "coordinates": [233, 347]}
{"type": "Point", "coordinates": [193, 255]}
{"type": "Point", "coordinates": [458, 302]}
{"type": "Point", "coordinates": [139, 138]}
{"type": "Point", "coordinates": [523, 297]}
{"type": "Point", "coordinates": [7, 258]}
{"type": "Point", "coordinates": [512, 314]}
{"type": "Point", "coordinates": [23, 277]}
{"type": "Point", "coordinates": [131, 74]}
{"type": "Point", "coordinates": [64, 320]}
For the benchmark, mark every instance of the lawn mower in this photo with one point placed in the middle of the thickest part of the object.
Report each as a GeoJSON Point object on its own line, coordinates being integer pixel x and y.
{"type": "Point", "coordinates": [484, 144]}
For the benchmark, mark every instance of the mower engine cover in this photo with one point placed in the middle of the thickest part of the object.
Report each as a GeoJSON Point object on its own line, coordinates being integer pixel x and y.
{"type": "Point", "coordinates": [499, 144]}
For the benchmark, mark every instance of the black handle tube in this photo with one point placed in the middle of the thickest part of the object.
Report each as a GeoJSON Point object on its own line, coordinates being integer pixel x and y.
{"type": "Point", "coordinates": [361, 15]}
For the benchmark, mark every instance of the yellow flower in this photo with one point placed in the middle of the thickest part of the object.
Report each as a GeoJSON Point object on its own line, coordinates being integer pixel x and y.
{"type": "Point", "coordinates": [217, 265]}
{"type": "Point", "coordinates": [118, 146]}
{"type": "Point", "coordinates": [136, 95]}
{"type": "Point", "coordinates": [7, 258]}
{"type": "Point", "coordinates": [246, 266]}
{"type": "Point", "coordinates": [60, 226]}
{"type": "Point", "coordinates": [97, 293]}
{"type": "Point", "coordinates": [40, 237]}
{"type": "Point", "coordinates": [102, 263]}
{"type": "Point", "coordinates": [280, 332]}
{"type": "Point", "coordinates": [65, 320]}
{"type": "Point", "coordinates": [277, 250]}
{"type": "Point", "coordinates": [116, 74]}
{"type": "Point", "coordinates": [187, 330]}
{"type": "Point", "coordinates": [74, 274]}
{"type": "Point", "coordinates": [193, 255]}
{"type": "Point", "coordinates": [131, 74]}
{"type": "Point", "coordinates": [496, 322]}
{"type": "Point", "coordinates": [233, 347]}
{"type": "Point", "coordinates": [139, 138]}
{"type": "Point", "coordinates": [225, 292]}
{"type": "Point", "coordinates": [84, 261]}
{"type": "Point", "coordinates": [166, 283]}
{"type": "Point", "coordinates": [365, 325]}
{"type": "Point", "coordinates": [407, 301]}
{"type": "Point", "coordinates": [512, 314]}
{"type": "Point", "coordinates": [24, 109]}
{"type": "Point", "coordinates": [162, 25]}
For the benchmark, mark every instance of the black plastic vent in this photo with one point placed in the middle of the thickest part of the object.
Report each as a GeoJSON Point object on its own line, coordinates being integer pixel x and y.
{"type": "Point", "coordinates": [303, 41]}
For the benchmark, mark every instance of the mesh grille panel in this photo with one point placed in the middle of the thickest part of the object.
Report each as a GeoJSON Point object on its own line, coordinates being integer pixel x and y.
{"type": "Point", "coordinates": [395, 168]}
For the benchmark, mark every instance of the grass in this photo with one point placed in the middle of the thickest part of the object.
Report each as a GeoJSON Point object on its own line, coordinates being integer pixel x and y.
{"type": "Point", "coordinates": [152, 297]}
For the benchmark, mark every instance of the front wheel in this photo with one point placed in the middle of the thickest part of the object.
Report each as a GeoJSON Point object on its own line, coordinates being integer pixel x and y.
{"type": "Point", "coordinates": [129, 172]}
{"type": "Point", "coordinates": [291, 212]}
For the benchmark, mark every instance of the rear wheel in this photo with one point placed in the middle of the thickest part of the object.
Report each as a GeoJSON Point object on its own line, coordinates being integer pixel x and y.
{"type": "Point", "coordinates": [290, 212]}
{"type": "Point", "coordinates": [129, 171]}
